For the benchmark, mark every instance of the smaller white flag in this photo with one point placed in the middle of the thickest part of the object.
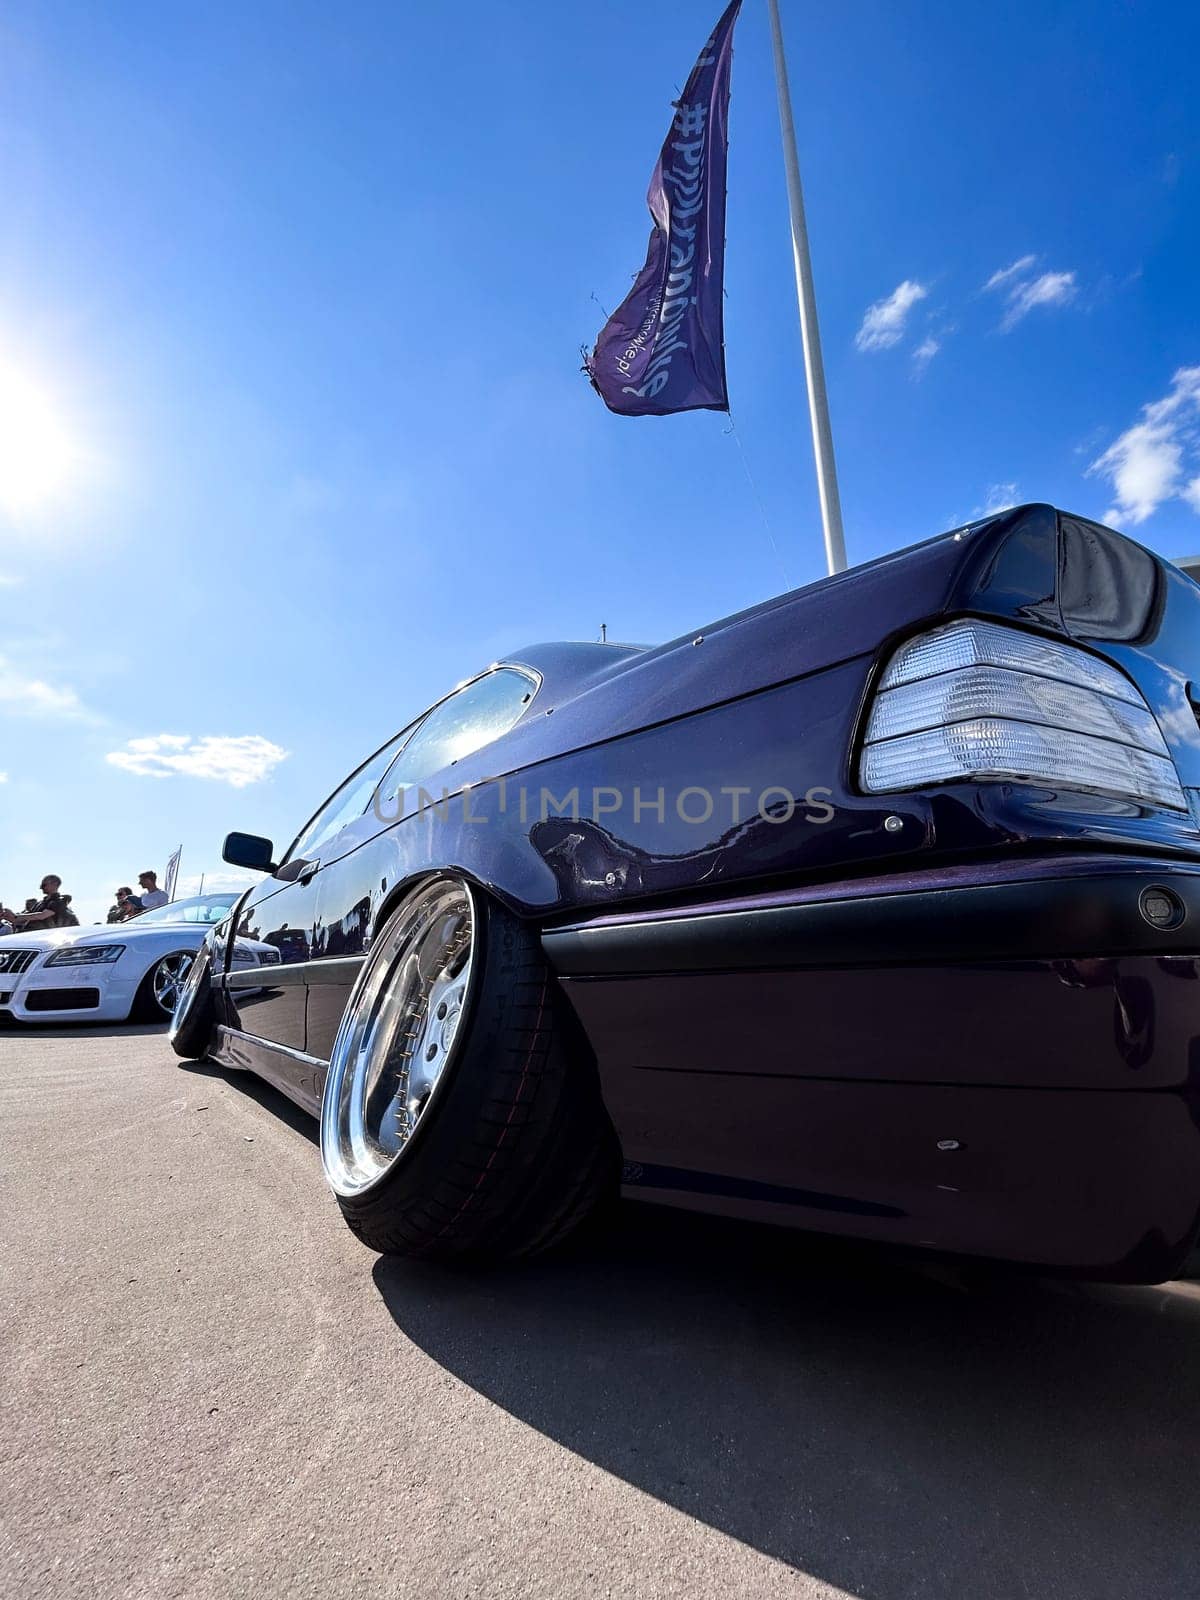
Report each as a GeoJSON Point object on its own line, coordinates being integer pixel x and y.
{"type": "Point", "coordinates": [172, 874]}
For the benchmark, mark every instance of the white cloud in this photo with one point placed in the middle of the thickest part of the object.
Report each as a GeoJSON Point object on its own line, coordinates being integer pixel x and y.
{"type": "Point", "coordinates": [33, 697]}
{"type": "Point", "coordinates": [9, 580]}
{"type": "Point", "coordinates": [925, 352]}
{"type": "Point", "coordinates": [3, 777]}
{"type": "Point", "coordinates": [1006, 274]}
{"type": "Point", "coordinates": [238, 760]}
{"type": "Point", "coordinates": [999, 497]}
{"type": "Point", "coordinates": [1051, 289]}
{"type": "Point", "coordinates": [1145, 465]}
{"type": "Point", "coordinates": [883, 325]}
{"type": "Point", "coordinates": [1025, 292]}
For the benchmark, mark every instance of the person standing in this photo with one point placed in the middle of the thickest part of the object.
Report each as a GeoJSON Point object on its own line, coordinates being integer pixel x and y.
{"type": "Point", "coordinates": [151, 896]}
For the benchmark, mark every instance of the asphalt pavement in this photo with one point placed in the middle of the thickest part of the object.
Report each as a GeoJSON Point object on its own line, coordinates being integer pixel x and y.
{"type": "Point", "coordinates": [209, 1388]}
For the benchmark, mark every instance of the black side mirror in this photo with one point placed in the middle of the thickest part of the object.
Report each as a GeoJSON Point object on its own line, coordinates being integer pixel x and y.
{"type": "Point", "coordinates": [249, 850]}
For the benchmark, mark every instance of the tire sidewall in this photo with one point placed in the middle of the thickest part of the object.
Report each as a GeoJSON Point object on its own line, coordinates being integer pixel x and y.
{"type": "Point", "coordinates": [502, 958]}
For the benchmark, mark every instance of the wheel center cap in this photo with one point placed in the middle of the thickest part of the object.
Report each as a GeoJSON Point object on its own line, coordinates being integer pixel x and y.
{"type": "Point", "coordinates": [449, 1028]}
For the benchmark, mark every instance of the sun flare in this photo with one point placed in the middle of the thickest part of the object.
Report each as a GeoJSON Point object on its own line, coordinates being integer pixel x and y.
{"type": "Point", "coordinates": [37, 454]}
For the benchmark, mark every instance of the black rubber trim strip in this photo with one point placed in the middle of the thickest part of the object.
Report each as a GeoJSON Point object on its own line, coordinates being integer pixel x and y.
{"type": "Point", "coordinates": [637, 1175]}
{"type": "Point", "coordinates": [1036, 919]}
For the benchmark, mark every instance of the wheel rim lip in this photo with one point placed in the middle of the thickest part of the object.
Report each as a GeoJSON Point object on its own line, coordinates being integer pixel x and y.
{"type": "Point", "coordinates": [188, 990]}
{"type": "Point", "coordinates": [169, 979]}
{"type": "Point", "coordinates": [362, 1030]}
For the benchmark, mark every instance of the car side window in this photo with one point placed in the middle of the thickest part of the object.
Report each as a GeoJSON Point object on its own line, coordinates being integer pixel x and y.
{"type": "Point", "coordinates": [349, 802]}
{"type": "Point", "coordinates": [465, 721]}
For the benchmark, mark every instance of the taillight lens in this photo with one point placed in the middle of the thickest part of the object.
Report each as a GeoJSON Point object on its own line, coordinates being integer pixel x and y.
{"type": "Point", "coordinates": [977, 700]}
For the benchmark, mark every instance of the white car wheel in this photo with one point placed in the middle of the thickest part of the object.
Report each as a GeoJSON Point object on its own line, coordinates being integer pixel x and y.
{"type": "Point", "coordinates": [162, 986]}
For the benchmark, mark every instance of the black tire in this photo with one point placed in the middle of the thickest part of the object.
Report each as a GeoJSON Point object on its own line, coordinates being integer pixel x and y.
{"type": "Point", "coordinates": [195, 1021]}
{"type": "Point", "coordinates": [516, 1150]}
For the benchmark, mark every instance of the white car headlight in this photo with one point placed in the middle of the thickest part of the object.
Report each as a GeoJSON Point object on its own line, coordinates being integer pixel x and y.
{"type": "Point", "coordinates": [86, 955]}
{"type": "Point", "coordinates": [252, 955]}
{"type": "Point", "coordinates": [981, 701]}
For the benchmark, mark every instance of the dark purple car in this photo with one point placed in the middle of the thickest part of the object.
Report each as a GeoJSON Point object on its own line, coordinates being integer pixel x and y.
{"type": "Point", "coordinates": [874, 910]}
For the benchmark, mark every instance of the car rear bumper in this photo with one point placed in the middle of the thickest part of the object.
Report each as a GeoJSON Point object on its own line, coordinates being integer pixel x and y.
{"type": "Point", "coordinates": [994, 1061]}
{"type": "Point", "coordinates": [1072, 907]}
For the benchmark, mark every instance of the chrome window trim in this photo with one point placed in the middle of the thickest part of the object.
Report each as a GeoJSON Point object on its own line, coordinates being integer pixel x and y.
{"type": "Point", "coordinates": [530, 674]}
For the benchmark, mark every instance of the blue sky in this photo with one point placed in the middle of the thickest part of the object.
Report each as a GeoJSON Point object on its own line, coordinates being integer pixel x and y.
{"type": "Point", "coordinates": [292, 432]}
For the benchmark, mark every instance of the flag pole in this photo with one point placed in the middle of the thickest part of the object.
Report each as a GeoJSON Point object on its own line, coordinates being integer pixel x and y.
{"type": "Point", "coordinates": [818, 403]}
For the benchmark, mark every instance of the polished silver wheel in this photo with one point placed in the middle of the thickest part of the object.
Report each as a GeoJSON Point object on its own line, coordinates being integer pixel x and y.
{"type": "Point", "coordinates": [398, 1037]}
{"type": "Point", "coordinates": [168, 979]}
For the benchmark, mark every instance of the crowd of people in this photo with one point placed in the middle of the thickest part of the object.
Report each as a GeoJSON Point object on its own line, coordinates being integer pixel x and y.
{"type": "Point", "coordinates": [53, 910]}
{"type": "Point", "coordinates": [128, 905]}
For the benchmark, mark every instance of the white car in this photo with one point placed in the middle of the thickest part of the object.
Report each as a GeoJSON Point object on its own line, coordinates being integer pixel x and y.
{"type": "Point", "coordinates": [124, 970]}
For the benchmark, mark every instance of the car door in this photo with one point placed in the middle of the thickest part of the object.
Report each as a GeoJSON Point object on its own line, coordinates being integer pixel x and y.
{"type": "Point", "coordinates": [281, 911]}
{"type": "Point", "coordinates": [280, 915]}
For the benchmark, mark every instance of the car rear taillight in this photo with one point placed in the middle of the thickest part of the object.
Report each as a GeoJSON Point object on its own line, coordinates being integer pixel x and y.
{"type": "Point", "coordinates": [981, 701]}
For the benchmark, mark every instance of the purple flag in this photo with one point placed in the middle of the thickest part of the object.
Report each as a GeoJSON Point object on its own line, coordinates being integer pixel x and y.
{"type": "Point", "coordinates": [663, 349]}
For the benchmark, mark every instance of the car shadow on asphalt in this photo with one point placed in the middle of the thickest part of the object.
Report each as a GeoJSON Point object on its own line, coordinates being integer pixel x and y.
{"type": "Point", "coordinates": [257, 1089]}
{"type": "Point", "coordinates": [888, 1425]}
